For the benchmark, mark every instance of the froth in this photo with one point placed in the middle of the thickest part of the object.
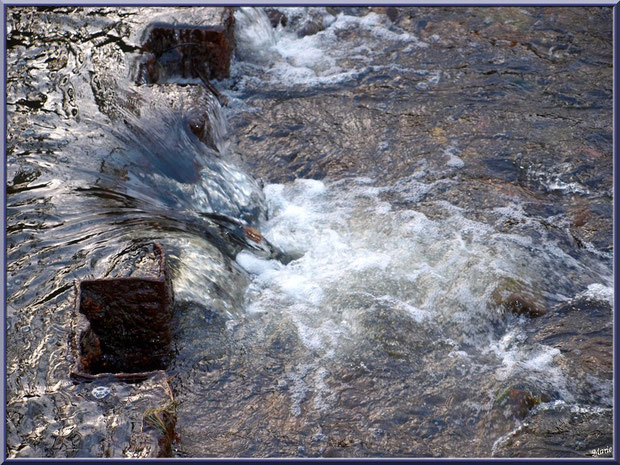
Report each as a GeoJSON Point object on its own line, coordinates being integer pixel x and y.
{"type": "Point", "coordinates": [359, 256]}
{"type": "Point", "coordinates": [312, 60]}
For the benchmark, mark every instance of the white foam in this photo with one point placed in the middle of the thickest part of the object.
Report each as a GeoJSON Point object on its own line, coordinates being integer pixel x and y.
{"type": "Point", "coordinates": [554, 183]}
{"type": "Point", "coordinates": [414, 312]}
{"type": "Point", "coordinates": [300, 287]}
{"type": "Point", "coordinates": [537, 363]}
{"type": "Point", "coordinates": [541, 361]}
{"type": "Point", "coordinates": [599, 292]}
{"type": "Point", "coordinates": [289, 60]}
{"type": "Point", "coordinates": [255, 265]}
{"type": "Point", "coordinates": [351, 240]}
{"type": "Point", "coordinates": [357, 255]}
{"type": "Point", "coordinates": [570, 187]}
{"type": "Point", "coordinates": [311, 187]}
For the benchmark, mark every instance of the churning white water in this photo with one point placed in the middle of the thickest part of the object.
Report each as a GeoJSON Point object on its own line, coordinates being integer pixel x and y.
{"type": "Point", "coordinates": [280, 56]}
{"type": "Point", "coordinates": [383, 328]}
{"type": "Point", "coordinates": [358, 253]}
{"type": "Point", "coordinates": [363, 249]}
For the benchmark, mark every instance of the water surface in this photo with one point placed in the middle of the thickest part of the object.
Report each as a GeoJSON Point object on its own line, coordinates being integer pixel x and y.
{"type": "Point", "coordinates": [421, 166]}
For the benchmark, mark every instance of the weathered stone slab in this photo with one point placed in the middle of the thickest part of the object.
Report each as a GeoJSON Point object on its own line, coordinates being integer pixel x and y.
{"type": "Point", "coordinates": [188, 51]}
{"type": "Point", "coordinates": [124, 323]}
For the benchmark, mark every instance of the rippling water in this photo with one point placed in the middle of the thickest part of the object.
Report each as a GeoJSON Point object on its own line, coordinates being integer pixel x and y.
{"type": "Point", "coordinates": [420, 166]}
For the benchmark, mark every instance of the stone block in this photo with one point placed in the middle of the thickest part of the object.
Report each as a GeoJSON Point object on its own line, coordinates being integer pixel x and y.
{"type": "Point", "coordinates": [124, 323]}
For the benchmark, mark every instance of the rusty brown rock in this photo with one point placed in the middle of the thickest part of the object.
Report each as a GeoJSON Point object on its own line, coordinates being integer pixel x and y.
{"type": "Point", "coordinates": [189, 51]}
{"type": "Point", "coordinates": [514, 297]}
{"type": "Point", "coordinates": [149, 70]}
{"type": "Point", "coordinates": [590, 224]}
{"type": "Point", "coordinates": [518, 402]}
{"type": "Point", "coordinates": [518, 304]}
{"type": "Point", "coordinates": [253, 234]}
{"type": "Point", "coordinates": [125, 321]}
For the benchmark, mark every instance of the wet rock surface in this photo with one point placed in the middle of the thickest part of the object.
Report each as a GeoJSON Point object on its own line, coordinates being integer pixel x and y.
{"type": "Point", "coordinates": [581, 330]}
{"type": "Point", "coordinates": [559, 434]}
{"type": "Point", "coordinates": [126, 321]}
{"type": "Point", "coordinates": [190, 52]}
{"type": "Point", "coordinates": [276, 17]}
{"type": "Point", "coordinates": [495, 109]}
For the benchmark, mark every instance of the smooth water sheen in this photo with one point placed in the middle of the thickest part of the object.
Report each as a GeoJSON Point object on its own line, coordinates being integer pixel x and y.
{"type": "Point", "coordinates": [418, 165]}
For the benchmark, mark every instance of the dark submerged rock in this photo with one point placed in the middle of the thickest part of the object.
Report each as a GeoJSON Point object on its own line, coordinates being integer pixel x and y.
{"type": "Point", "coordinates": [513, 297]}
{"type": "Point", "coordinates": [309, 29]}
{"type": "Point", "coordinates": [559, 433]}
{"type": "Point", "coordinates": [517, 401]}
{"type": "Point", "coordinates": [348, 10]}
{"type": "Point", "coordinates": [276, 17]}
{"type": "Point", "coordinates": [518, 304]}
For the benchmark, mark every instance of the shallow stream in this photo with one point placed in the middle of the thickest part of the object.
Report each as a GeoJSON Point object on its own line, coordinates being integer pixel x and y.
{"type": "Point", "coordinates": [441, 178]}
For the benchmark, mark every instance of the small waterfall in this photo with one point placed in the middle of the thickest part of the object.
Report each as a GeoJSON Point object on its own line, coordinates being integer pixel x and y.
{"type": "Point", "coordinates": [255, 37]}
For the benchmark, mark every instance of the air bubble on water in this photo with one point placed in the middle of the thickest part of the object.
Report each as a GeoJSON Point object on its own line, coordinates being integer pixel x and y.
{"type": "Point", "coordinates": [101, 392]}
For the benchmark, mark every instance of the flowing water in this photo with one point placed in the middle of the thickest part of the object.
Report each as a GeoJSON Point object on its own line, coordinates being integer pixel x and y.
{"type": "Point", "coordinates": [420, 166]}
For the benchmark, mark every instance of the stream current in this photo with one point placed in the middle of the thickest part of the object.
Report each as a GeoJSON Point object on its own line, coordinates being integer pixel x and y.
{"type": "Point", "coordinates": [422, 166]}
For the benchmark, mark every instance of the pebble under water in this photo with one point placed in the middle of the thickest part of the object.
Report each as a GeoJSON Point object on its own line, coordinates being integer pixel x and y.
{"type": "Point", "coordinates": [440, 180]}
